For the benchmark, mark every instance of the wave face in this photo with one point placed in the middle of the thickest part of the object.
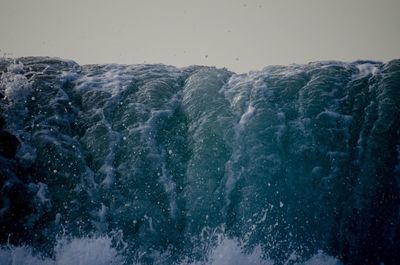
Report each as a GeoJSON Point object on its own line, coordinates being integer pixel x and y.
{"type": "Point", "coordinates": [154, 164]}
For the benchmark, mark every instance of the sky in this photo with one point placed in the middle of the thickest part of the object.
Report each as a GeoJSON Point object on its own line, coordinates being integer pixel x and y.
{"type": "Point", "coordinates": [239, 35]}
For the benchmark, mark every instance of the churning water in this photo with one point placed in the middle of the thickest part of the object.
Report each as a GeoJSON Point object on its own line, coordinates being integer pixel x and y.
{"type": "Point", "coordinates": [153, 164]}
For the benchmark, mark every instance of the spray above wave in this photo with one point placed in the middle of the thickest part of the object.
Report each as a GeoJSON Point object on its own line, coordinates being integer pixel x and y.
{"type": "Point", "coordinates": [200, 165]}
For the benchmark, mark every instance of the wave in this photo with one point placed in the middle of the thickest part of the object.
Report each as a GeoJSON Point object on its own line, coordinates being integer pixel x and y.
{"type": "Point", "coordinates": [199, 164]}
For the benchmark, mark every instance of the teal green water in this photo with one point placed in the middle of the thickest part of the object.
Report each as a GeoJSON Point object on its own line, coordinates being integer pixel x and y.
{"type": "Point", "coordinates": [286, 161]}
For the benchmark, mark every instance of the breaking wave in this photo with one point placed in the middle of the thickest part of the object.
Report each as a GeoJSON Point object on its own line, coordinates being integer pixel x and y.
{"type": "Point", "coordinates": [153, 164]}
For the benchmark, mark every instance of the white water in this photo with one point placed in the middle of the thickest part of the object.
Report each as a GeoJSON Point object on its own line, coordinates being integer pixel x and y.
{"type": "Point", "coordinates": [101, 251]}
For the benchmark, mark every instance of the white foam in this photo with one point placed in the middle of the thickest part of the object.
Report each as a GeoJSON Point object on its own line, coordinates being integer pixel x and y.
{"type": "Point", "coordinates": [77, 251]}
{"type": "Point", "coordinates": [246, 116]}
{"type": "Point", "coordinates": [21, 256]}
{"type": "Point", "coordinates": [100, 251]}
{"type": "Point", "coordinates": [322, 259]}
{"type": "Point", "coordinates": [231, 252]}
{"type": "Point", "coordinates": [365, 69]}
{"type": "Point", "coordinates": [17, 87]}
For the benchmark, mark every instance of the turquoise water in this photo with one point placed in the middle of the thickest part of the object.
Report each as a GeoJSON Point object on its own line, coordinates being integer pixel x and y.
{"type": "Point", "coordinates": [153, 164]}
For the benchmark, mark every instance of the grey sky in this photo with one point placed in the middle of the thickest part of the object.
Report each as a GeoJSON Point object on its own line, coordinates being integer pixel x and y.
{"type": "Point", "coordinates": [239, 35]}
